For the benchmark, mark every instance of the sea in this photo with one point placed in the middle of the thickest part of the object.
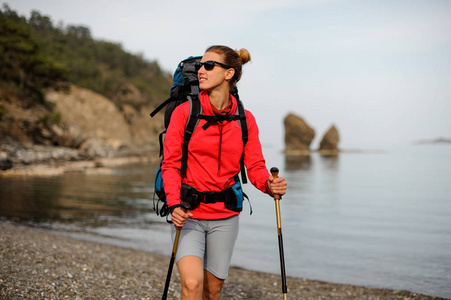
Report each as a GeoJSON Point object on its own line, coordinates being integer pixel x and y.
{"type": "Point", "coordinates": [377, 218]}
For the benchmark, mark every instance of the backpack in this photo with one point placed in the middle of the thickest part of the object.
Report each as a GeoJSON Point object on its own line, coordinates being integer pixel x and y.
{"type": "Point", "coordinates": [185, 87]}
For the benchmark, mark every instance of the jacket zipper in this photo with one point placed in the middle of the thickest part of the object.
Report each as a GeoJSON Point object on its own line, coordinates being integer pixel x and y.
{"type": "Point", "coordinates": [220, 126]}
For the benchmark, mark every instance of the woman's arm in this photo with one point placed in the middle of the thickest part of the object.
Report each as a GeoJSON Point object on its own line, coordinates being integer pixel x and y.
{"type": "Point", "coordinates": [172, 153]}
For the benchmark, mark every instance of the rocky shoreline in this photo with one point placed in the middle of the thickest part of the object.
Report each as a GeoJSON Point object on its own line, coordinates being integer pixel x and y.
{"type": "Point", "coordinates": [82, 127]}
{"type": "Point", "coordinates": [39, 265]}
{"type": "Point", "coordinates": [41, 160]}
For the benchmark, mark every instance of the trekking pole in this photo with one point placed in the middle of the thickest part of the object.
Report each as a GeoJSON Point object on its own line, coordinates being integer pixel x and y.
{"type": "Point", "coordinates": [185, 207]}
{"type": "Point", "coordinates": [275, 174]}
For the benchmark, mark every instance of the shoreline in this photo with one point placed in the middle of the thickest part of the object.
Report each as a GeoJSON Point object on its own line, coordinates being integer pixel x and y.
{"type": "Point", "coordinates": [94, 166]}
{"type": "Point", "coordinates": [104, 165]}
{"type": "Point", "coordinates": [36, 264]}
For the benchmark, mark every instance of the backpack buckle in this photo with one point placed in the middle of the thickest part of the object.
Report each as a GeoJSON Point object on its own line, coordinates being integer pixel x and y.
{"type": "Point", "coordinates": [209, 197]}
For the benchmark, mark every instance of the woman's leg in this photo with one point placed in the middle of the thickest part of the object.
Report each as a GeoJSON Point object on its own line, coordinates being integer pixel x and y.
{"type": "Point", "coordinates": [219, 242]}
{"type": "Point", "coordinates": [221, 237]}
{"type": "Point", "coordinates": [212, 286]}
{"type": "Point", "coordinates": [191, 269]}
{"type": "Point", "coordinates": [190, 264]}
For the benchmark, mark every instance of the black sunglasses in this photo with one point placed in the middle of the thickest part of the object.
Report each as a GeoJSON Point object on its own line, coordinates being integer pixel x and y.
{"type": "Point", "coordinates": [209, 65]}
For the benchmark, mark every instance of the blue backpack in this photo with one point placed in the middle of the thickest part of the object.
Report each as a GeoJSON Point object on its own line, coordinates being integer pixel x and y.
{"type": "Point", "coordinates": [185, 87]}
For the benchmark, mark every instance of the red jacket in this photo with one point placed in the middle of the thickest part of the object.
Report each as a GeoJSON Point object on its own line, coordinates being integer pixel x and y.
{"type": "Point", "coordinates": [213, 158]}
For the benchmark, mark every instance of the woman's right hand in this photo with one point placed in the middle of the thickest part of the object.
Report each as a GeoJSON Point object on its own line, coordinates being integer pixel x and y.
{"type": "Point", "coordinates": [179, 217]}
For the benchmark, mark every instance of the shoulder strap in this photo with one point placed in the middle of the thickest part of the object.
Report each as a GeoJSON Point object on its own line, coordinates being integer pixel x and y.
{"type": "Point", "coordinates": [160, 107]}
{"type": "Point", "coordinates": [245, 133]}
{"type": "Point", "coordinates": [243, 123]}
{"type": "Point", "coordinates": [191, 124]}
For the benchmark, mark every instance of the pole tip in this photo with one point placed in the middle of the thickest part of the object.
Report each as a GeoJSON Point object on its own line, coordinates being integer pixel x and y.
{"type": "Point", "coordinates": [274, 170]}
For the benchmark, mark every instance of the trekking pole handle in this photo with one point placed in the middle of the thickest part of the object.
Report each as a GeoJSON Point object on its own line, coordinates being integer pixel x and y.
{"type": "Point", "coordinates": [275, 174]}
{"type": "Point", "coordinates": [185, 206]}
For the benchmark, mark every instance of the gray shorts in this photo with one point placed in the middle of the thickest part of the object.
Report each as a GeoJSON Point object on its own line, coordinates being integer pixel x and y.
{"type": "Point", "coordinates": [211, 240]}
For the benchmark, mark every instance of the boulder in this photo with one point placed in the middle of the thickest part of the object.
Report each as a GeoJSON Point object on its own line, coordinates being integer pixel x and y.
{"type": "Point", "coordinates": [330, 140]}
{"type": "Point", "coordinates": [298, 135]}
{"type": "Point", "coordinates": [89, 115]}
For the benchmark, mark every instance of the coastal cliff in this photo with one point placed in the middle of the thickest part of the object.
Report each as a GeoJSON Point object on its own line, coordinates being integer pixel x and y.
{"type": "Point", "coordinates": [82, 125]}
{"type": "Point", "coordinates": [67, 97]}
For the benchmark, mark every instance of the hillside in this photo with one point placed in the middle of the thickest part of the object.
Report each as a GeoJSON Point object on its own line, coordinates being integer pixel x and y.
{"type": "Point", "coordinates": [65, 96]}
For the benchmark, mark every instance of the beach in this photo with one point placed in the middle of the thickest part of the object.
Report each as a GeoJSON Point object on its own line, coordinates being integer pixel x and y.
{"type": "Point", "coordinates": [36, 264]}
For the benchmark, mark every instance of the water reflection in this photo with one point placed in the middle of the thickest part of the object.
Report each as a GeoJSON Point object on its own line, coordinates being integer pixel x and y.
{"type": "Point", "coordinates": [306, 162]}
{"type": "Point", "coordinates": [29, 198]}
{"type": "Point", "coordinates": [330, 161]}
{"type": "Point", "coordinates": [125, 196]}
{"type": "Point", "coordinates": [297, 162]}
{"type": "Point", "coordinates": [312, 175]}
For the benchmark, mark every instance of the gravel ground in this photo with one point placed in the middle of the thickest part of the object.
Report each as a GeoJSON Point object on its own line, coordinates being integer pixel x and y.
{"type": "Point", "coordinates": [35, 264]}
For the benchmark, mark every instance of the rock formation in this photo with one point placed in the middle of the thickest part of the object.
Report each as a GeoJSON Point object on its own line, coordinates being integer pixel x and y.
{"type": "Point", "coordinates": [329, 143]}
{"type": "Point", "coordinates": [298, 135]}
{"type": "Point", "coordinates": [93, 115]}
{"type": "Point", "coordinates": [82, 125]}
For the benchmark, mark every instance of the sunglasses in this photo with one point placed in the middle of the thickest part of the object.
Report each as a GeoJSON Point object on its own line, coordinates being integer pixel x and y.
{"type": "Point", "coordinates": [209, 65]}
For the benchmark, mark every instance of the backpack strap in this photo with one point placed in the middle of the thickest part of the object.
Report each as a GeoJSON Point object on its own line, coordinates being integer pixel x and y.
{"type": "Point", "coordinates": [212, 119]}
{"type": "Point", "coordinates": [160, 137]}
{"type": "Point", "coordinates": [160, 107]}
{"type": "Point", "coordinates": [191, 124]}
{"type": "Point", "coordinates": [245, 133]}
{"type": "Point", "coordinates": [176, 95]}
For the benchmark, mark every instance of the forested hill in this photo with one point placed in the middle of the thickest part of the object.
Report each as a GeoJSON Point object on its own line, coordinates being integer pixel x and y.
{"type": "Point", "coordinates": [67, 96]}
{"type": "Point", "coordinates": [37, 54]}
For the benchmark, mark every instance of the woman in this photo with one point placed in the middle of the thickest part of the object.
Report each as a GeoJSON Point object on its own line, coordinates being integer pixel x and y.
{"type": "Point", "coordinates": [209, 231]}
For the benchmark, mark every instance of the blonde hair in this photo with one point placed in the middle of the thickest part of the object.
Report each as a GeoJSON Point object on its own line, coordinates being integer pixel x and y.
{"type": "Point", "coordinates": [233, 58]}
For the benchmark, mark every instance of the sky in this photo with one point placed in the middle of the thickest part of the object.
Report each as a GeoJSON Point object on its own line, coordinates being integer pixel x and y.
{"type": "Point", "coordinates": [380, 71]}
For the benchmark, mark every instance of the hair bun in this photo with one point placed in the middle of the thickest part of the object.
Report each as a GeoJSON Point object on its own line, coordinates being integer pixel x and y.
{"type": "Point", "coordinates": [244, 55]}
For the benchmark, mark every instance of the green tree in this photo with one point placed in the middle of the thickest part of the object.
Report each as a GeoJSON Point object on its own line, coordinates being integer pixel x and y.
{"type": "Point", "coordinates": [35, 54]}
{"type": "Point", "coordinates": [22, 64]}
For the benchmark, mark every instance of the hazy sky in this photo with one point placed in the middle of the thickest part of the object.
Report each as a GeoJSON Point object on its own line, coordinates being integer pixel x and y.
{"type": "Point", "coordinates": [379, 70]}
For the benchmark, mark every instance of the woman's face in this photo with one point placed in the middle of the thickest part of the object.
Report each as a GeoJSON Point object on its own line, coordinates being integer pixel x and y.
{"type": "Point", "coordinates": [218, 77]}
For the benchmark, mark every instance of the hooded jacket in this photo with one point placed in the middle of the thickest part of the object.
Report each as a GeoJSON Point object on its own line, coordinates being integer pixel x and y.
{"type": "Point", "coordinates": [213, 157]}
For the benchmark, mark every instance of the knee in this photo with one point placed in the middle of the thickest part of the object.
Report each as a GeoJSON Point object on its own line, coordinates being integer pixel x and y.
{"type": "Point", "coordinates": [212, 288]}
{"type": "Point", "coordinates": [212, 293]}
{"type": "Point", "coordinates": [192, 285]}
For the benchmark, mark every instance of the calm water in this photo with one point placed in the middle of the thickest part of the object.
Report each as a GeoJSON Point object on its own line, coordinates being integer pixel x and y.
{"type": "Point", "coordinates": [380, 219]}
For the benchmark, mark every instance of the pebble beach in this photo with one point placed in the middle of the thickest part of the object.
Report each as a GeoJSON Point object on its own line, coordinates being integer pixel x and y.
{"type": "Point", "coordinates": [36, 264]}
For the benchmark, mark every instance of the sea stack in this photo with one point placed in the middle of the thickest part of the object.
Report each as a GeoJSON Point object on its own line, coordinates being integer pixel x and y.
{"type": "Point", "coordinates": [298, 135]}
{"type": "Point", "coordinates": [329, 143]}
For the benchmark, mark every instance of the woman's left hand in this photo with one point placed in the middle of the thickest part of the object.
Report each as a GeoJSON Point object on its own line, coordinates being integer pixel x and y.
{"type": "Point", "coordinates": [277, 185]}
